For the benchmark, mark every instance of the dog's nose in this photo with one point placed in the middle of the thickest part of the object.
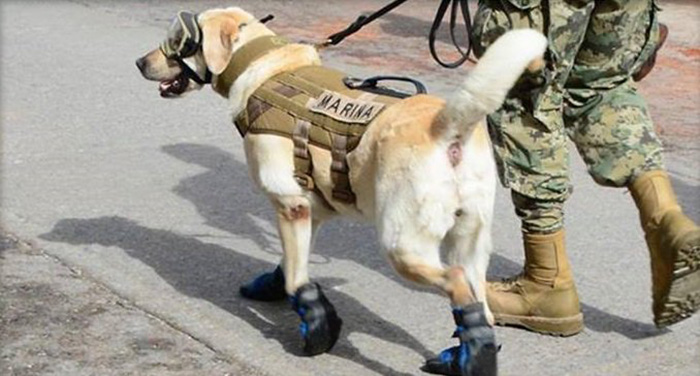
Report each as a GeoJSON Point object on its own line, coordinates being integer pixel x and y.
{"type": "Point", "coordinates": [141, 63]}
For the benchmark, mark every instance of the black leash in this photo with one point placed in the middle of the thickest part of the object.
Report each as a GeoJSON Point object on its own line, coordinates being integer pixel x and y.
{"type": "Point", "coordinates": [363, 20]}
{"type": "Point", "coordinates": [439, 16]}
{"type": "Point", "coordinates": [360, 22]}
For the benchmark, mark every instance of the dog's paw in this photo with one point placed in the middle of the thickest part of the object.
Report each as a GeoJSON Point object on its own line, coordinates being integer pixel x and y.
{"type": "Point", "coordinates": [267, 287]}
{"type": "Point", "coordinates": [449, 362]}
{"type": "Point", "coordinates": [464, 360]}
{"type": "Point", "coordinates": [320, 324]}
{"type": "Point", "coordinates": [476, 354]}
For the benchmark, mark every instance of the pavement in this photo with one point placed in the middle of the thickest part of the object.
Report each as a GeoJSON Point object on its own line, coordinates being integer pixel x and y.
{"type": "Point", "coordinates": [129, 221]}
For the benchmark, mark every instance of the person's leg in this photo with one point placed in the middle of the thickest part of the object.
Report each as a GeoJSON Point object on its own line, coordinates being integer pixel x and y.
{"type": "Point", "coordinates": [534, 165]}
{"type": "Point", "coordinates": [674, 248]}
{"type": "Point", "coordinates": [530, 147]}
{"type": "Point", "coordinates": [533, 161]}
{"type": "Point", "coordinates": [610, 125]}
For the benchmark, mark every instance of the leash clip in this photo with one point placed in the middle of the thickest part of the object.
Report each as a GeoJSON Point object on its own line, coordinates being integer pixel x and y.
{"type": "Point", "coordinates": [322, 45]}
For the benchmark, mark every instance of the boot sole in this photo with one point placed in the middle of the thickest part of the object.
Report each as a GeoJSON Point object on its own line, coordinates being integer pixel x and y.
{"type": "Point", "coordinates": [560, 327]}
{"type": "Point", "coordinates": [683, 298]}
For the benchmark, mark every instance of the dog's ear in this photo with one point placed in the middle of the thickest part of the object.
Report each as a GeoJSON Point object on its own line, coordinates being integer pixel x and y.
{"type": "Point", "coordinates": [217, 45]}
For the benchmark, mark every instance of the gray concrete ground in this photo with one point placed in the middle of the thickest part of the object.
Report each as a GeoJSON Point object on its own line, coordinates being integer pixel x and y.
{"type": "Point", "coordinates": [138, 222]}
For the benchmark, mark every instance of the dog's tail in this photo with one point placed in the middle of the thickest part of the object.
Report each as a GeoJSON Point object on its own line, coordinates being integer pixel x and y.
{"type": "Point", "coordinates": [489, 81]}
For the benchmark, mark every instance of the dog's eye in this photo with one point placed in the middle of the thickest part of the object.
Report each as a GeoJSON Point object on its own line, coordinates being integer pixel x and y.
{"type": "Point", "coordinates": [172, 43]}
{"type": "Point", "coordinates": [174, 36]}
{"type": "Point", "coordinates": [175, 42]}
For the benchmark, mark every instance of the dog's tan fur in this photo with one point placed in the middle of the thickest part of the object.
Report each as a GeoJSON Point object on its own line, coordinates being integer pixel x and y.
{"type": "Point", "coordinates": [423, 171]}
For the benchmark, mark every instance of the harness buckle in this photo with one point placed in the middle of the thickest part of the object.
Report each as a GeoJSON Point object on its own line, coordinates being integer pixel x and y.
{"type": "Point", "coordinates": [305, 181]}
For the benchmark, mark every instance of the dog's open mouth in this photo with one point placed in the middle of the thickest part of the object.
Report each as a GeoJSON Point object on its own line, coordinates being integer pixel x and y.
{"type": "Point", "coordinates": [174, 87]}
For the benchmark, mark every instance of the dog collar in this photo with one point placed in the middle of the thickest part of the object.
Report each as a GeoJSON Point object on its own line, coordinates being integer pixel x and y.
{"type": "Point", "coordinates": [243, 58]}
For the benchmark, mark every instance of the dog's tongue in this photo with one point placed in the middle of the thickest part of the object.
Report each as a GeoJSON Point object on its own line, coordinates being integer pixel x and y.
{"type": "Point", "coordinates": [173, 88]}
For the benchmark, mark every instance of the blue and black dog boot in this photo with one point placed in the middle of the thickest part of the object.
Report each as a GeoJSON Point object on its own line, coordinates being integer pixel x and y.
{"type": "Point", "coordinates": [267, 287]}
{"type": "Point", "coordinates": [476, 353]}
{"type": "Point", "coordinates": [320, 324]}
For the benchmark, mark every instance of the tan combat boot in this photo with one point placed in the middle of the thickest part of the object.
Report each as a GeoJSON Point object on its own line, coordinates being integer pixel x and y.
{"type": "Point", "coordinates": [543, 297]}
{"type": "Point", "coordinates": [674, 248]}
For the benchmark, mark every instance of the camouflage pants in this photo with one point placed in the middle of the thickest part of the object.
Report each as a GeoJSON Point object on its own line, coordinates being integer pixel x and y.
{"type": "Point", "coordinates": [584, 94]}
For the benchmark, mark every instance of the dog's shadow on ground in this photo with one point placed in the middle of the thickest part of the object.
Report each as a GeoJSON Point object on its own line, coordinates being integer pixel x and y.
{"type": "Point", "coordinates": [224, 196]}
{"type": "Point", "coordinates": [213, 273]}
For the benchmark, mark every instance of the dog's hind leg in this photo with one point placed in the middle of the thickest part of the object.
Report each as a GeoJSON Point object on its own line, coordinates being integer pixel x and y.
{"type": "Point", "coordinates": [476, 353]}
{"type": "Point", "coordinates": [417, 259]}
{"type": "Point", "coordinates": [320, 327]}
{"type": "Point", "coordinates": [468, 244]}
{"type": "Point", "coordinates": [449, 280]}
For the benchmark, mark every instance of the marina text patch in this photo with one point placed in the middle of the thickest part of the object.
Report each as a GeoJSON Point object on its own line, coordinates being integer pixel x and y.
{"type": "Point", "coordinates": [344, 108]}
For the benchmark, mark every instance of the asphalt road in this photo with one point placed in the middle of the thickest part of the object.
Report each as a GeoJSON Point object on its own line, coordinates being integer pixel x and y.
{"type": "Point", "coordinates": [148, 202]}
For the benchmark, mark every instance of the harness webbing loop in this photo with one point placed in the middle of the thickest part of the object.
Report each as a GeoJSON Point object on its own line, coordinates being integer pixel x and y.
{"type": "Point", "coordinates": [439, 16]}
{"type": "Point", "coordinates": [302, 159]}
{"type": "Point", "coordinates": [339, 169]}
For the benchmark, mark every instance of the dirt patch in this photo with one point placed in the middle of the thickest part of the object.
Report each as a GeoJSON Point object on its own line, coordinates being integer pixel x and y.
{"type": "Point", "coordinates": [54, 321]}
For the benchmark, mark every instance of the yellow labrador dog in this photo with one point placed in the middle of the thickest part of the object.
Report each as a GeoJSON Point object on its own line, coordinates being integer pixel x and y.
{"type": "Point", "coordinates": [422, 173]}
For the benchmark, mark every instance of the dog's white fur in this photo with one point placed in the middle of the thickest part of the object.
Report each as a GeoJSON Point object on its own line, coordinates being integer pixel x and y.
{"type": "Point", "coordinates": [423, 172]}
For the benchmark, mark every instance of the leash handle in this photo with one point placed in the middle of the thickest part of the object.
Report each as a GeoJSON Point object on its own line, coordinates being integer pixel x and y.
{"type": "Point", "coordinates": [365, 19]}
{"type": "Point", "coordinates": [439, 16]}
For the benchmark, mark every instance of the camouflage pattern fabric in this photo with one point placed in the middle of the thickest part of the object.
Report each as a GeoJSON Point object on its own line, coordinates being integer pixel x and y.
{"type": "Point", "coordinates": [585, 94]}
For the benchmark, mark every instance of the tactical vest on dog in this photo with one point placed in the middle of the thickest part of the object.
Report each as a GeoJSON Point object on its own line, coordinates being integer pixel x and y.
{"type": "Point", "coordinates": [310, 105]}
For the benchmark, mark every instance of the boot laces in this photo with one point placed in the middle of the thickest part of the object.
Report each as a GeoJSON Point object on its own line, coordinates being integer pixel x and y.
{"type": "Point", "coordinates": [511, 283]}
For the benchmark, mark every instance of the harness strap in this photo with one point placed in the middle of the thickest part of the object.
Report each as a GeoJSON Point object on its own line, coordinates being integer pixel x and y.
{"type": "Point", "coordinates": [280, 107]}
{"type": "Point", "coordinates": [256, 108]}
{"type": "Point", "coordinates": [302, 159]}
{"type": "Point", "coordinates": [339, 169]}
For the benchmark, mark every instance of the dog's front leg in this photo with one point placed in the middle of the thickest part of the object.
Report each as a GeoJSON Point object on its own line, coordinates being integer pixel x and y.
{"type": "Point", "coordinates": [295, 229]}
{"type": "Point", "coordinates": [320, 325]}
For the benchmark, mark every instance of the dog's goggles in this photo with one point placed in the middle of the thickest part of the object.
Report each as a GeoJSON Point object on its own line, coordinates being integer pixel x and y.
{"type": "Point", "coordinates": [184, 36]}
{"type": "Point", "coordinates": [184, 39]}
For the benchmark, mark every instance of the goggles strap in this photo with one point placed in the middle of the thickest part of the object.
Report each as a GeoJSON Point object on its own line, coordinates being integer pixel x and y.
{"type": "Point", "coordinates": [191, 74]}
